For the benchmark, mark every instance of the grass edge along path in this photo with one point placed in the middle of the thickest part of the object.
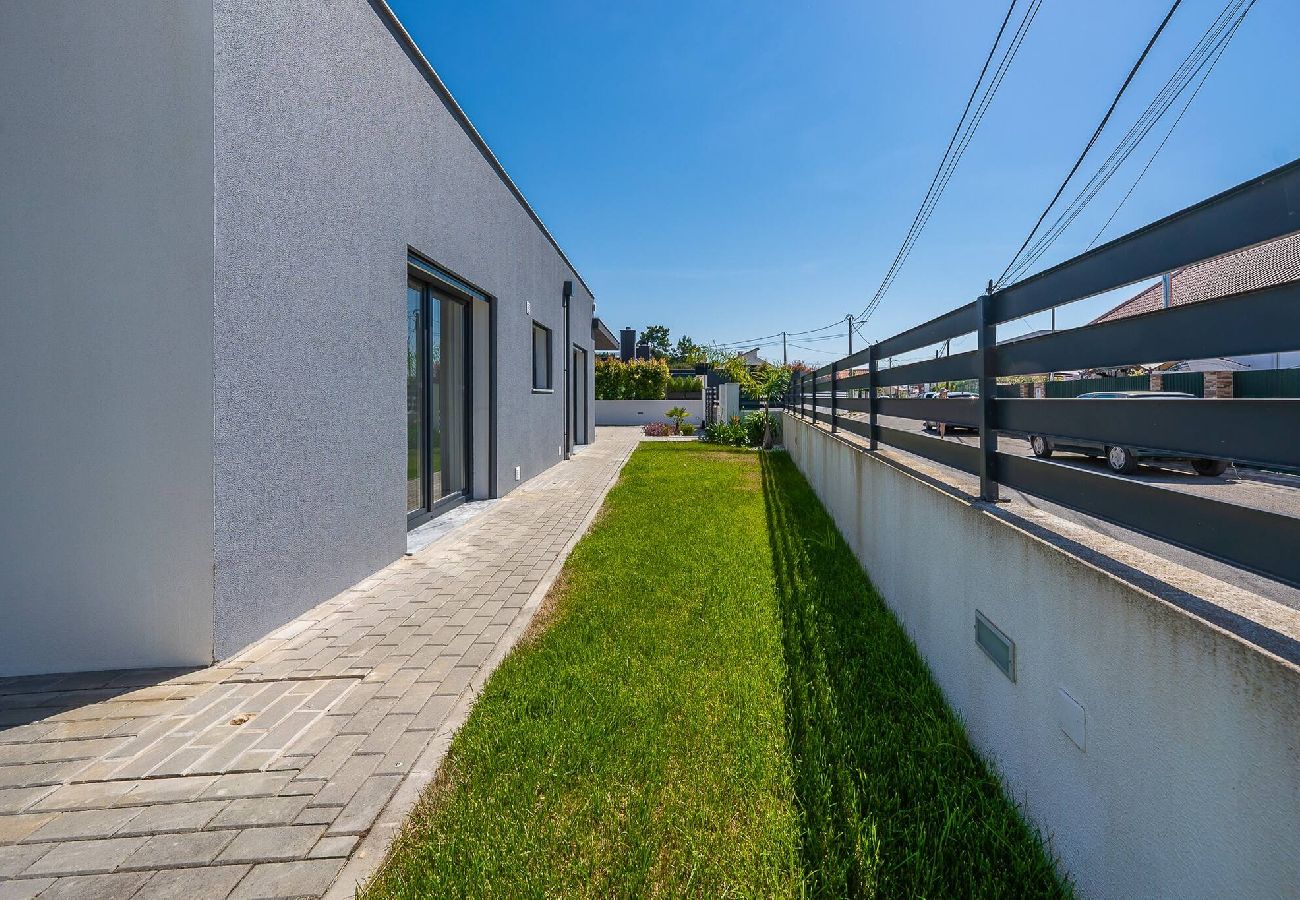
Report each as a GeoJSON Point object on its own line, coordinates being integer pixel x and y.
{"type": "Point", "coordinates": [713, 702]}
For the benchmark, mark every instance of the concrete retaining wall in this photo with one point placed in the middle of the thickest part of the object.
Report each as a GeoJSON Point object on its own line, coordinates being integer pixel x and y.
{"type": "Point", "coordinates": [1187, 783]}
{"type": "Point", "coordinates": [641, 412]}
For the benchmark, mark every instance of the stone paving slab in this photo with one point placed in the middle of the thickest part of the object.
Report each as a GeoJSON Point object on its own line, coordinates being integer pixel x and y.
{"type": "Point", "coordinates": [271, 773]}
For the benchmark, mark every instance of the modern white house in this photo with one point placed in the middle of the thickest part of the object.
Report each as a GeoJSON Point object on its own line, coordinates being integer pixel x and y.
{"type": "Point", "coordinates": [269, 301]}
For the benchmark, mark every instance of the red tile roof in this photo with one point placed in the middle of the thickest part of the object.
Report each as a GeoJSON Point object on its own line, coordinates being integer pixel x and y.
{"type": "Point", "coordinates": [1263, 265]}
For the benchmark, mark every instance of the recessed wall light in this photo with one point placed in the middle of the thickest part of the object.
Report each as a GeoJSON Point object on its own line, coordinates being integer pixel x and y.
{"type": "Point", "coordinates": [996, 645]}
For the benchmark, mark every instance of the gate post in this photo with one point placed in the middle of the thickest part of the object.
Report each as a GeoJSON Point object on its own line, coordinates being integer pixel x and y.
{"type": "Point", "coordinates": [871, 395]}
{"type": "Point", "coordinates": [813, 397]}
{"type": "Point", "coordinates": [986, 368]}
{"type": "Point", "coordinates": [835, 419]}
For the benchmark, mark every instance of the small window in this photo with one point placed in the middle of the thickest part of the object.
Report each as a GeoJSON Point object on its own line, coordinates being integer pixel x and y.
{"type": "Point", "coordinates": [541, 357]}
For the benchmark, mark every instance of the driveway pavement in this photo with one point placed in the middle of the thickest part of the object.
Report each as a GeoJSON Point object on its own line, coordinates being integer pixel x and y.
{"type": "Point", "coordinates": [285, 771]}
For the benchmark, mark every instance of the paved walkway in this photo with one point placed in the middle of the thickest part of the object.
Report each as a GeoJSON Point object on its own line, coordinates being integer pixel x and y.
{"type": "Point", "coordinates": [284, 771]}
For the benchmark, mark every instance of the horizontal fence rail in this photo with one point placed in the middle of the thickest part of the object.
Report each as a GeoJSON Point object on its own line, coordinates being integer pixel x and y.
{"type": "Point", "coordinates": [845, 396]}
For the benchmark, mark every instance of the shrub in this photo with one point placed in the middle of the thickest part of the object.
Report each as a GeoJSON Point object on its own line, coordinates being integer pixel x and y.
{"type": "Point", "coordinates": [730, 432]}
{"type": "Point", "coordinates": [738, 432]}
{"type": "Point", "coordinates": [649, 378]}
{"type": "Point", "coordinates": [609, 378]}
{"type": "Point", "coordinates": [677, 414]}
{"type": "Point", "coordinates": [685, 384]}
{"type": "Point", "coordinates": [638, 379]}
{"type": "Point", "coordinates": [688, 428]}
{"type": "Point", "coordinates": [754, 428]}
{"type": "Point", "coordinates": [657, 429]}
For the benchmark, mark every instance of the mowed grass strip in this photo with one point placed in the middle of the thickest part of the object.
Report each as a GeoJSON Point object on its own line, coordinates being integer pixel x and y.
{"type": "Point", "coordinates": [893, 800]}
{"type": "Point", "coordinates": [636, 746]}
{"type": "Point", "coordinates": [717, 704]}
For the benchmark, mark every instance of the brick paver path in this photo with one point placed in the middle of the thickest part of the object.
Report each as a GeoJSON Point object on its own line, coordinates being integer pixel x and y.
{"type": "Point", "coordinates": [262, 776]}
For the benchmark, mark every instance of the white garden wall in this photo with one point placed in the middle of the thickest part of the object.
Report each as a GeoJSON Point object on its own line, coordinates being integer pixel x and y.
{"type": "Point", "coordinates": [641, 412]}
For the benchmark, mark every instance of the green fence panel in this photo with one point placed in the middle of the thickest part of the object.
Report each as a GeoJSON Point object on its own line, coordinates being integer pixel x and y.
{"type": "Point", "coordinates": [1266, 383]}
{"type": "Point", "coordinates": [1065, 389]}
{"type": "Point", "coordinates": [1187, 382]}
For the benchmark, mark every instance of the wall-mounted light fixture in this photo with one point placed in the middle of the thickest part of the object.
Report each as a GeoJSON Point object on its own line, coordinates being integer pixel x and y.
{"type": "Point", "coordinates": [996, 645]}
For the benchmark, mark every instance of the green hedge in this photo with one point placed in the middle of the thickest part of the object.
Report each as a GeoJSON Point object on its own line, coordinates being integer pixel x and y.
{"type": "Point", "coordinates": [638, 379]}
{"type": "Point", "coordinates": [685, 384]}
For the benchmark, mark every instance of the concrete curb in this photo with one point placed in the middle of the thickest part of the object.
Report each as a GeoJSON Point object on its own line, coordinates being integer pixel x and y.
{"type": "Point", "coordinates": [372, 850]}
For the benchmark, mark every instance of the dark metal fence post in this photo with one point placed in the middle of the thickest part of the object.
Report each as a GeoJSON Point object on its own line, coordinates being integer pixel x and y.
{"type": "Point", "coordinates": [835, 419]}
{"type": "Point", "coordinates": [871, 395]}
{"type": "Point", "coordinates": [813, 398]}
{"type": "Point", "coordinates": [986, 365]}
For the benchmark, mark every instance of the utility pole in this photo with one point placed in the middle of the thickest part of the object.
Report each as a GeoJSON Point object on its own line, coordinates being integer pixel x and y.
{"type": "Point", "coordinates": [785, 357]}
{"type": "Point", "coordinates": [850, 318]}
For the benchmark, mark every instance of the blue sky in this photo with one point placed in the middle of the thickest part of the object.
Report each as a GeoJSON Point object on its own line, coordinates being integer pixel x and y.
{"type": "Point", "coordinates": [731, 170]}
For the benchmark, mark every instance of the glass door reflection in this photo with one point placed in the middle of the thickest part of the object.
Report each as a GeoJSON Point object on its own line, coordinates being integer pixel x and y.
{"type": "Point", "coordinates": [416, 440]}
{"type": "Point", "coordinates": [437, 401]}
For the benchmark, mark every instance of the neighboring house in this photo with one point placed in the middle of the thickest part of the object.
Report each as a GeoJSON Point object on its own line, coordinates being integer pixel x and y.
{"type": "Point", "coordinates": [269, 300]}
{"type": "Point", "coordinates": [1263, 265]}
{"type": "Point", "coordinates": [602, 338]}
{"type": "Point", "coordinates": [752, 360]}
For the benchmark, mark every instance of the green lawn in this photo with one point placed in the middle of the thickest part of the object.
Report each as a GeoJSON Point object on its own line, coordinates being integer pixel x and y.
{"type": "Point", "coordinates": [717, 704]}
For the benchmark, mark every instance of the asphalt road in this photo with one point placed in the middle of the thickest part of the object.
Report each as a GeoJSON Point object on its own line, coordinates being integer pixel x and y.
{"type": "Point", "coordinates": [1246, 487]}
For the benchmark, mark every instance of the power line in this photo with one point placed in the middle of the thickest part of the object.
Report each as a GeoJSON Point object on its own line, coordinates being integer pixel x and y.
{"type": "Point", "coordinates": [1093, 140]}
{"type": "Point", "coordinates": [966, 128]}
{"type": "Point", "coordinates": [750, 342]}
{"type": "Point", "coordinates": [1208, 48]}
{"type": "Point", "coordinates": [947, 153]}
{"type": "Point", "coordinates": [962, 135]}
{"type": "Point", "coordinates": [1129, 193]}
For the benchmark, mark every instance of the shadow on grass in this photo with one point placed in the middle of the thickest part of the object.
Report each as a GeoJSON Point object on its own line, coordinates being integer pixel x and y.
{"type": "Point", "coordinates": [893, 800]}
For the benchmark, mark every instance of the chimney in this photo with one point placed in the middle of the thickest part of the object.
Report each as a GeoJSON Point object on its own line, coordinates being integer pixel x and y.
{"type": "Point", "coordinates": [626, 344]}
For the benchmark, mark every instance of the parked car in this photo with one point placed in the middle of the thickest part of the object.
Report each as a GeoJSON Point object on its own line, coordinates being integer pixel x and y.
{"type": "Point", "coordinates": [952, 395]}
{"type": "Point", "coordinates": [1124, 459]}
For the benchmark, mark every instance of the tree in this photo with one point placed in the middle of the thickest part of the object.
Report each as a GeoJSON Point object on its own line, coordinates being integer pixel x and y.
{"type": "Point", "coordinates": [656, 336]}
{"type": "Point", "coordinates": [677, 414]}
{"type": "Point", "coordinates": [765, 383]}
{"type": "Point", "coordinates": [689, 353]}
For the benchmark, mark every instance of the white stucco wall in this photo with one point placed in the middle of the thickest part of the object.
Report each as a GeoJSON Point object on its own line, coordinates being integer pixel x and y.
{"type": "Point", "coordinates": [334, 154]}
{"type": "Point", "coordinates": [1188, 784]}
{"type": "Point", "coordinates": [643, 412]}
{"type": "Point", "coordinates": [106, 538]}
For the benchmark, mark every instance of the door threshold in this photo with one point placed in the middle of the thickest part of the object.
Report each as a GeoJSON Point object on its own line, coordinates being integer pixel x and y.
{"type": "Point", "coordinates": [440, 526]}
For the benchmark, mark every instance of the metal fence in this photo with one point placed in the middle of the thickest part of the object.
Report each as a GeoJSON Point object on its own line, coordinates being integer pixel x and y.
{"type": "Point", "coordinates": [1187, 382]}
{"type": "Point", "coordinates": [1077, 386]}
{"type": "Point", "coordinates": [1264, 432]}
{"type": "Point", "coordinates": [1266, 383]}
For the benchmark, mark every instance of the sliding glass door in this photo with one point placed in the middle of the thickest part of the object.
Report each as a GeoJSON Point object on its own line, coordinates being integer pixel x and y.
{"type": "Point", "coordinates": [437, 401]}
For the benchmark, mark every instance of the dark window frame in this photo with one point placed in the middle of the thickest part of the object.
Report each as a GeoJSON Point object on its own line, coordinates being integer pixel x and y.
{"type": "Point", "coordinates": [434, 283]}
{"type": "Point", "coordinates": [549, 386]}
